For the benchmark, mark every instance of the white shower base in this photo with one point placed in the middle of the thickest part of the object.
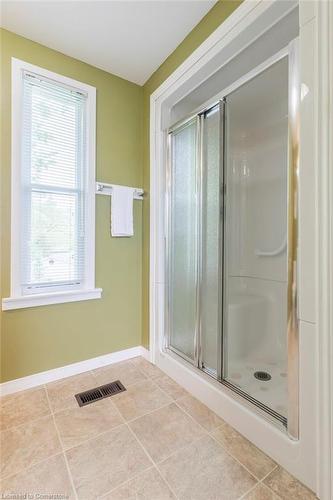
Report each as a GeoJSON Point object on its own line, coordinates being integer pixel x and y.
{"type": "Point", "coordinates": [272, 393]}
{"type": "Point", "coordinates": [255, 339]}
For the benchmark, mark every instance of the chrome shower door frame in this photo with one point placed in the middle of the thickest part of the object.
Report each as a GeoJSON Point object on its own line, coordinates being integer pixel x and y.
{"type": "Point", "coordinates": [293, 203]}
{"type": "Point", "coordinates": [292, 422]}
{"type": "Point", "coordinates": [168, 241]}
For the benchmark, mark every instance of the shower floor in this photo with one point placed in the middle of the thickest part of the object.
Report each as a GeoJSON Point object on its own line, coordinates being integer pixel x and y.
{"type": "Point", "coordinates": [272, 393]}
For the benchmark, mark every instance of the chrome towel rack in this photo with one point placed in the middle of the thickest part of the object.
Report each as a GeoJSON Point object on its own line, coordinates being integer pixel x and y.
{"type": "Point", "coordinates": [106, 189]}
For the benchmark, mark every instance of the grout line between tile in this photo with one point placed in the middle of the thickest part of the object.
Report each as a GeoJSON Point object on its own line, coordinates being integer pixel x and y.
{"type": "Point", "coordinates": [144, 379]}
{"type": "Point", "coordinates": [166, 458]}
{"type": "Point", "coordinates": [48, 415]}
{"type": "Point", "coordinates": [192, 418]}
{"type": "Point", "coordinates": [52, 415]}
{"type": "Point", "coordinates": [32, 419]}
{"type": "Point", "coordinates": [249, 491]}
{"type": "Point", "coordinates": [94, 437]}
{"type": "Point", "coordinates": [62, 447]}
{"type": "Point", "coordinates": [180, 449]}
{"type": "Point", "coordinates": [153, 465]}
{"type": "Point", "coordinates": [183, 447]}
{"type": "Point", "coordinates": [28, 422]}
{"type": "Point", "coordinates": [177, 451]}
{"type": "Point", "coordinates": [26, 469]}
{"type": "Point", "coordinates": [167, 483]}
{"type": "Point", "coordinates": [140, 444]}
{"type": "Point", "coordinates": [269, 473]}
{"type": "Point", "coordinates": [173, 398]}
{"type": "Point", "coordinates": [236, 459]}
{"type": "Point", "coordinates": [209, 434]}
{"type": "Point", "coordinates": [148, 412]}
{"type": "Point", "coordinates": [176, 403]}
{"type": "Point", "coordinates": [146, 451]}
{"type": "Point", "coordinates": [121, 485]}
{"type": "Point", "coordinates": [117, 410]}
{"type": "Point", "coordinates": [124, 422]}
{"type": "Point", "coordinates": [151, 459]}
{"type": "Point", "coordinates": [142, 371]}
{"type": "Point", "coordinates": [261, 481]}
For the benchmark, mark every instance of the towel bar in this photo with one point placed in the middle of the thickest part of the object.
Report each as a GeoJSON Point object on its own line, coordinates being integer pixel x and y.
{"type": "Point", "coordinates": [104, 188]}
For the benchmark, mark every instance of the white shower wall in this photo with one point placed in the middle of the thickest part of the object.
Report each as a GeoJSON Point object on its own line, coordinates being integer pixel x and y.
{"type": "Point", "coordinates": [256, 321]}
{"type": "Point", "coordinates": [257, 204]}
{"type": "Point", "coordinates": [256, 236]}
{"type": "Point", "coordinates": [257, 192]}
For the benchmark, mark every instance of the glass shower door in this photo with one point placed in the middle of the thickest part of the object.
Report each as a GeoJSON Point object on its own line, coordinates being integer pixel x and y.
{"type": "Point", "coordinates": [211, 223]}
{"type": "Point", "coordinates": [256, 260]}
{"type": "Point", "coordinates": [232, 193]}
{"type": "Point", "coordinates": [183, 240]}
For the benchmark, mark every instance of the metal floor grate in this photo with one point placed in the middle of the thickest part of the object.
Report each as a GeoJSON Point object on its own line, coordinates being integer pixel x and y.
{"type": "Point", "coordinates": [98, 393]}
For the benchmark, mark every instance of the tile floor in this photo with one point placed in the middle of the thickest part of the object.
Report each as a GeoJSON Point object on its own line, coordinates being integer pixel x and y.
{"type": "Point", "coordinates": [152, 442]}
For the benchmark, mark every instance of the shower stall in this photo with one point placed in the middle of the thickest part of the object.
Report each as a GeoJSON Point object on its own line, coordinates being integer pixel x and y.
{"type": "Point", "coordinates": [231, 238]}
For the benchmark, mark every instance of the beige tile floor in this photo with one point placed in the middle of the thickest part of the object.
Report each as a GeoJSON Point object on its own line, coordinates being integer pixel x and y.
{"type": "Point", "coordinates": [152, 442]}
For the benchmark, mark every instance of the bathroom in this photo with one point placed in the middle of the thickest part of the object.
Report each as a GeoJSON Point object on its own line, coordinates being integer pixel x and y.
{"type": "Point", "coordinates": [166, 249]}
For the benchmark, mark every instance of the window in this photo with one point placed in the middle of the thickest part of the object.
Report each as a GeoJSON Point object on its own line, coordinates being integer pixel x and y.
{"type": "Point", "coordinates": [53, 188]}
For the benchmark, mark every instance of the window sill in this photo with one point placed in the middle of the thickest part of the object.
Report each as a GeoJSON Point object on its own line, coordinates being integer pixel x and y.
{"type": "Point", "coordinates": [44, 299]}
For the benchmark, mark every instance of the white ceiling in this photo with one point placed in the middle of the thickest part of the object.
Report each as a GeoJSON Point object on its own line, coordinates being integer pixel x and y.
{"type": "Point", "coordinates": [128, 38]}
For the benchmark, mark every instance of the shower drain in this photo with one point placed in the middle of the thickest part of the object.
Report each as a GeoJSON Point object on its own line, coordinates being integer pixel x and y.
{"type": "Point", "coordinates": [262, 376]}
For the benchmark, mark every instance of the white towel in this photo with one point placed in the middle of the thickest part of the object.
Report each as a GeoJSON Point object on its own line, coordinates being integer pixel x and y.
{"type": "Point", "coordinates": [122, 211]}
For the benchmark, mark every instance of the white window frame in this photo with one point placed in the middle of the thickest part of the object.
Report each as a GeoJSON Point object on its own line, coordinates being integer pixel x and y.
{"type": "Point", "coordinates": [88, 291]}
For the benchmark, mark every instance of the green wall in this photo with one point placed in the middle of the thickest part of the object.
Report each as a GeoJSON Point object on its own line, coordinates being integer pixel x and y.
{"type": "Point", "coordinates": [221, 10]}
{"type": "Point", "coordinates": [41, 338]}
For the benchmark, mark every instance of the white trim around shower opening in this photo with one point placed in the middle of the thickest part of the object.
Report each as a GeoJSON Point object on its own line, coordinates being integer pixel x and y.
{"type": "Point", "coordinates": [310, 458]}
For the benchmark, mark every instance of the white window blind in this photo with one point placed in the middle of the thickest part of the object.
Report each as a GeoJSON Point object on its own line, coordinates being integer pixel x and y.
{"type": "Point", "coordinates": [53, 180]}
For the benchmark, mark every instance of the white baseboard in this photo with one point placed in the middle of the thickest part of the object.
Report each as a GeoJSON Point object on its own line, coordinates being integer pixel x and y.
{"type": "Point", "coordinates": [20, 384]}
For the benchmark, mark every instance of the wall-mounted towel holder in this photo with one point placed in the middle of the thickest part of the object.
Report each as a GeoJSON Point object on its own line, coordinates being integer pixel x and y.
{"type": "Point", "coordinates": [104, 188]}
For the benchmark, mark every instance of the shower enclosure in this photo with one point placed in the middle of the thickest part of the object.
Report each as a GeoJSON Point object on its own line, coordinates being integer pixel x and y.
{"type": "Point", "coordinates": [231, 238]}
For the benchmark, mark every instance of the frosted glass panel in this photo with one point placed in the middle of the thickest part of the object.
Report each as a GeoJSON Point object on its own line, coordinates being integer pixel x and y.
{"type": "Point", "coordinates": [255, 305]}
{"type": "Point", "coordinates": [183, 241]}
{"type": "Point", "coordinates": [211, 189]}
